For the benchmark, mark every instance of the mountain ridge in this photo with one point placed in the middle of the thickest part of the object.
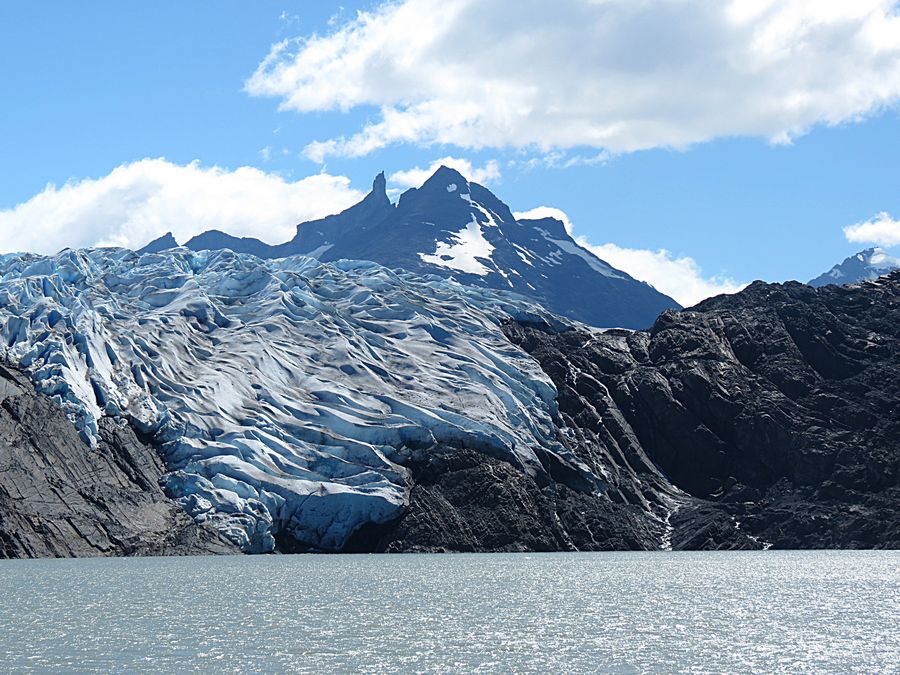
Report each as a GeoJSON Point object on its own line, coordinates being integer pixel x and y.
{"type": "Point", "coordinates": [866, 265]}
{"type": "Point", "coordinates": [458, 229]}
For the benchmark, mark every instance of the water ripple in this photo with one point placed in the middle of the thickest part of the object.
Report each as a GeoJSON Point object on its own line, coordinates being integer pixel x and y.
{"type": "Point", "coordinates": [612, 612]}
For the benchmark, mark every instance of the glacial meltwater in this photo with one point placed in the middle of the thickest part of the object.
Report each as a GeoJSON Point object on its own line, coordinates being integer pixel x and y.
{"type": "Point", "coordinates": [612, 612]}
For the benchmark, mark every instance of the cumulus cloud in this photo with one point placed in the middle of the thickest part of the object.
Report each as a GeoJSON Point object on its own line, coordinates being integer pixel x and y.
{"type": "Point", "coordinates": [678, 277]}
{"type": "Point", "coordinates": [618, 75]}
{"type": "Point", "coordinates": [138, 202]}
{"type": "Point", "coordinates": [882, 260]}
{"type": "Point", "coordinates": [483, 175]}
{"type": "Point", "coordinates": [539, 212]}
{"type": "Point", "coordinates": [882, 230]}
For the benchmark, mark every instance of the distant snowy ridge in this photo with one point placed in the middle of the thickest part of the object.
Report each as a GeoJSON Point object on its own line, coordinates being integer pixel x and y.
{"type": "Point", "coordinates": [863, 266]}
{"type": "Point", "coordinates": [285, 395]}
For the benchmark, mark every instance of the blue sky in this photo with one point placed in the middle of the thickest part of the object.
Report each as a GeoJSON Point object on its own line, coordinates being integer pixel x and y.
{"type": "Point", "coordinates": [745, 193]}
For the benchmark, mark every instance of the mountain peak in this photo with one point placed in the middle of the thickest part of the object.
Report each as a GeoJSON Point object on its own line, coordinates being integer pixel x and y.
{"type": "Point", "coordinates": [442, 190]}
{"type": "Point", "coordinates": [445, 177]}
{"type": "Point", "coordinates": [162, 243]}
{"type": "Point", "coordinates": [869, 263]}
{"type": "Point", "coordinates": [379, 185]}
{"type": "Point", "coordinates": [453, 228]}
{"type": "Point", "coordinates": [377, 199]}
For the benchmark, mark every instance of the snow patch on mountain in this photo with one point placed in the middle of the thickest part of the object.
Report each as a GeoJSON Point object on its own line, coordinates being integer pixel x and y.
{"type": "Point", "coordinates": [465, 252]}
{"type": "Point", "coordinates": [285, 395]}
{"type": "Point", "coordinates": [863, 266]}
{"type": "Point", "coordinates": [595, 263]}
{"type": "Point", "coordinates": [320, 250]}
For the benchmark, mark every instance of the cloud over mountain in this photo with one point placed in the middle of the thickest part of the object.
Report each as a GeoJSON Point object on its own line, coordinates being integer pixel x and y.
{"type": "Point", "coordinates": [882, 230]}
{"type": "Point", "coordinates": [613, 74]}
{"type": "Point", "coordinates": [139, 201]}
{"type": "Point", "coordinates": [546, 212]}
{"type": "Point", "coordinates": [679, 277]}
{"type": "Point", "coordinates": [414, 177]}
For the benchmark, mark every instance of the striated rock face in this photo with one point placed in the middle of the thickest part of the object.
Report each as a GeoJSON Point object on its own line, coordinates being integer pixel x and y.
{"type": "Point", "coordinates": [777, 406]}
{"type": "Point", "coordinates": [59, 497]}
{"type": "Point", "coordinates": [465, 501]}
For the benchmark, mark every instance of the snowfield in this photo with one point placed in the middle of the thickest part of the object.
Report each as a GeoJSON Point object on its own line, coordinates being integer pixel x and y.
{"type": "Point", "coordinates": [285, 395]}
{"type": "Point", "coordinates": [465, 253]}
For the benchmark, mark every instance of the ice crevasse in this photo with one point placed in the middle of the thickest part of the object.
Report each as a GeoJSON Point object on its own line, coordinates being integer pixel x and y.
{"type": "Point", "coordinates": [285, 396]}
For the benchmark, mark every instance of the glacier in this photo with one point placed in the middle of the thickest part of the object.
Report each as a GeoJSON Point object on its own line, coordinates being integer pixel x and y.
{"type": "Point", "coordinates": [286, 396]}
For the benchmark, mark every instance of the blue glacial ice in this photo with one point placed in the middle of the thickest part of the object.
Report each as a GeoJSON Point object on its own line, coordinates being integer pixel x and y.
{"type": "Point", "coordinates": [284, 395]}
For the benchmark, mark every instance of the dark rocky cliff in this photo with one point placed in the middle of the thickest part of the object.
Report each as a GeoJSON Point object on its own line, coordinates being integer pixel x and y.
{"type": "Point", "coordinates": [61, 498]}
{"type": "Point", "coordinates": [778, 406]}
{"type": "Point", "coordinates": [770, 418]}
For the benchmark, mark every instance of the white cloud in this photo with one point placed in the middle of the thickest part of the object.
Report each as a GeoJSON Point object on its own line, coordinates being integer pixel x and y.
{"type": "Point", "coordinates": [288, 19]}
{"type": "Point", "coordinates": [138, 202]}
{"type": "Point", "coordinates": [620, 75]}
{"type": "Point", "coordinates": [882, 230]}
{"type": "Point", "coordinates": [881, 260]}
{"type": "Point", "coordinates": [483, 175]}
{"type": "Point", "coordinates": [539, 212]}
{"type": "Point", "coordinates": [678, 277]}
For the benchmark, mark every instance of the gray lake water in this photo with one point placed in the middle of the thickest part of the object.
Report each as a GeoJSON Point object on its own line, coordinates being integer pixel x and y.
{"type": "Point", "coordinates": [619, 612]}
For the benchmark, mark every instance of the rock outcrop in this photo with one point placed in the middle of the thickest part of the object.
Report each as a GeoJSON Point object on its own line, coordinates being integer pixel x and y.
{"type": "Point", "coordinates": [777, 407]}
{"type": "Point", "coordinates": [60, 498]}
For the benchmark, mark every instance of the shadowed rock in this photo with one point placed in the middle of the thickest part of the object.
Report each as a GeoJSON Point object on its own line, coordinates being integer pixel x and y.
{"type": "Point", "coordinates": [777, 405]}
{"type": "Point", "coordinates": [61, 498]}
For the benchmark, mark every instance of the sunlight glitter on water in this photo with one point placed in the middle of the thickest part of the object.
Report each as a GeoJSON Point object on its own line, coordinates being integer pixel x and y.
{"type": "Point", "coordinates": [619, 612]}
